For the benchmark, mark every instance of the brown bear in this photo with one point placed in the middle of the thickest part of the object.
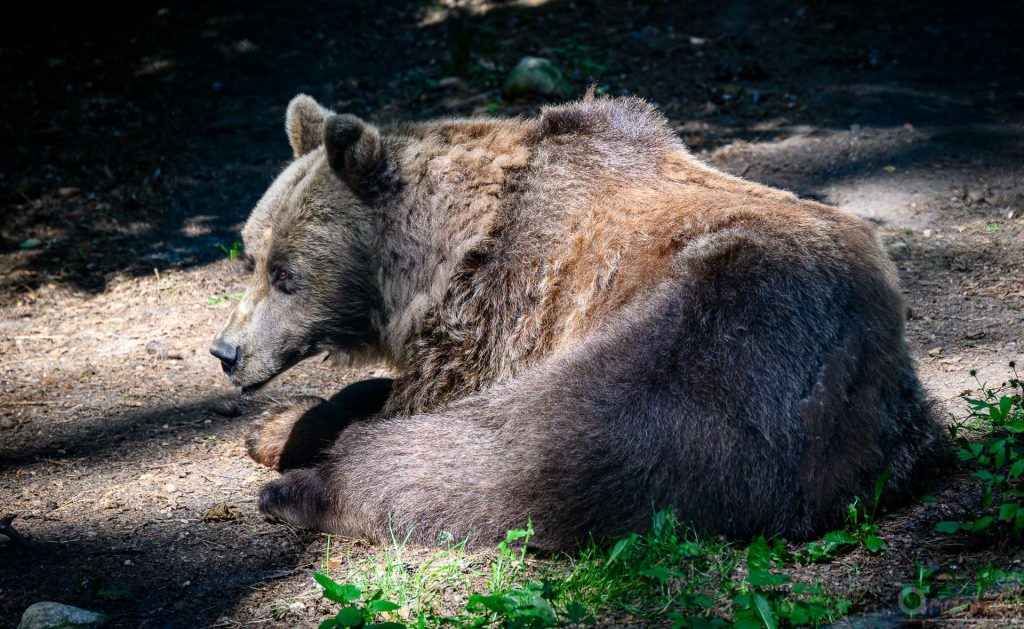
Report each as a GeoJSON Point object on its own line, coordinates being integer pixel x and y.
{"type": "Point", "coordinates": [587, 324]}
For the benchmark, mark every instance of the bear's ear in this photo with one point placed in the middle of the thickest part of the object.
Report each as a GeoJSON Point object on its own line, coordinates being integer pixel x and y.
{"type": "Point", "coordinates": [354, 150]}
{"type": "Point", "coordinates": [304, 123]}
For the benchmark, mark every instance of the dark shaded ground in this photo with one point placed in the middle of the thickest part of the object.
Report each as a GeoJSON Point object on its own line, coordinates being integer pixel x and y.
{"type": "Point", "coordinates": [135, 140]}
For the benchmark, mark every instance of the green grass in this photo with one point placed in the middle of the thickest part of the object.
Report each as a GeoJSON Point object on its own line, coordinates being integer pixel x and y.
{"type": "Point", "coordinates": [996, 457]}
{"type": "Point", "coordinates": [234, 252]}
{"type": "Point", "coordinates": [670, 575]}
{"type": "Point", "coordinates": [216, 299]}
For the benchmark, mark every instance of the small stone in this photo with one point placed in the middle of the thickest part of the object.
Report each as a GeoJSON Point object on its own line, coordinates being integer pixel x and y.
{"type": "Point", "coordinates": [174, 354]}
{"type": "Point", "coordinates": [48, 615]}
{"type": "Point", "coordinates": [170, 488]}
{"type": "Point", "coordinates": [535, 75]}
{"type": "Point", "coordinates": [67, 191]}
{"type": "Point", "coordinates": [6, 422]}
{"type": "Point", "coordinates": [935, 352]}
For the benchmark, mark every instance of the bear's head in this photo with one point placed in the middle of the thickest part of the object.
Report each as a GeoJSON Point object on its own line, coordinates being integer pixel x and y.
{"type": "Point", "coordinates": [311, 254]}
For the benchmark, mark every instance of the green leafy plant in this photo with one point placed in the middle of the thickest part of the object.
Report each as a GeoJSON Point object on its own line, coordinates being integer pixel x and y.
{"type": "Point", "coordinates": [997, 459]}
{"type": "Point", "coordinates": [355, 612]}
{"type": "Point", "coordinates": [668, 575]}
{"type": "Point", "coordinates": [769, 598]}
{"type": "Point", "coordinates": [508, 564]}
{"type": "Point", "coordinates": [216, 299]}
{"type": "Point", "coordinates": [861, 528]}
{"type": "Point", "coordinates": [234, 252]}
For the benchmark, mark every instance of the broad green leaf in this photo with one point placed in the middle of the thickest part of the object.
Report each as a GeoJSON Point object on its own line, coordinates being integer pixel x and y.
{"type": "Point", "coordinates": [947, 527]}
{"type": "Point", "coordinates": [1008, 511]}
{"type": "Point", "coordinates": [338, 593]}
{"type": "Point", "coordinates": [660, 573]}
{"type": "Point", "coordinates": [840, 537]}
{"type": "Point", "coordinates": [874, 543]}
{"type": "Point", "coordinates": [494, 602]}
{"type": "Point", "coordinates": [981, 523]}
{"type": "Point", "coordinates": [978, 404]}
{"type": "Point", "coordinates": [764, 611]}
{"type": "Point", "coordinates": [1005, 404]}
{"type": "Point", "coordinates": [767, 579]}
{"type": "Point", "coordinates": [330, 623]}
{"type": "Point", "coordinates": [381, 606]}
{"type": "Point", "coordinates": [350, 616]}
{"type": "Point", "coordinates": [759, 556]}
{"type": "Point", "coordinates": [621, 547]}
{"type": "Point", "coordinates": [1017, 469]}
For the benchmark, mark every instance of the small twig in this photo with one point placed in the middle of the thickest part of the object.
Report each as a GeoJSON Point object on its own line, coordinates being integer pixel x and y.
{"type": "Point", "coordinates": [7, 529]}
{"type": "Point", "coordinates": [39, 403]}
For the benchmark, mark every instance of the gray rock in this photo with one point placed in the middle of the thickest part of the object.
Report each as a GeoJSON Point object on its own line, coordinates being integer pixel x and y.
{"type": "Point", "coordinates": [59, 616]}
{"type": "Point", "coordinates": [535, 75]}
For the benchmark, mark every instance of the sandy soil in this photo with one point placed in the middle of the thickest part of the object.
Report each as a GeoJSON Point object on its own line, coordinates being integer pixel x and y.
{"type": "Point", "coordinates": [134, 142]}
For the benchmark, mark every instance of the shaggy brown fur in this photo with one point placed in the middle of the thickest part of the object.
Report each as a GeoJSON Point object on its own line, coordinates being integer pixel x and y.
{"type": "Point", "coordinates": [587, 322]}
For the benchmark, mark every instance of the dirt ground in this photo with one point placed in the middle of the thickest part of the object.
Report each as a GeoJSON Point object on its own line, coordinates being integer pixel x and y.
{"type": "Point", "coordinates": [135, 140]}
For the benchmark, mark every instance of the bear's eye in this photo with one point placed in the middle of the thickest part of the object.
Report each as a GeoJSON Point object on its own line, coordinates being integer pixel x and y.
{"type": "Point", "coordinates": [281, 279]}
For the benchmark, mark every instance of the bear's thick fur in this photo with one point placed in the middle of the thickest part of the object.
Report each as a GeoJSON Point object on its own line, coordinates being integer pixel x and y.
{"type": "Point", "coordinates": [587, 322]}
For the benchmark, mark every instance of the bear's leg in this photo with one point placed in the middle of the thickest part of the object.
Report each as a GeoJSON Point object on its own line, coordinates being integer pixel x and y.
{"type": "Point", "coordinates": [487, 464]}
{"type": "Point", "coordinates": [299, 434]}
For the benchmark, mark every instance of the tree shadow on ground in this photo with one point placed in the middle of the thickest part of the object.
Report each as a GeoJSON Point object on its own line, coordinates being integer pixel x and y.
{"type": "Point", "coordinates": [147, 558]}
{"type": "Point", "coordinates": [139, 138]}
{"type": "Point", "coordinates": [167, 574]}
{"type": "Point", "coordinates": [124, 435]}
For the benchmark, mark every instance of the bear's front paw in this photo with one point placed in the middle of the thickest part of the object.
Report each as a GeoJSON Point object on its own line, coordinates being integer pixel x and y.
{"type": "Point", "coordinates": [297, 498]}
{"type": "Point", "coordinates": [268, 439]}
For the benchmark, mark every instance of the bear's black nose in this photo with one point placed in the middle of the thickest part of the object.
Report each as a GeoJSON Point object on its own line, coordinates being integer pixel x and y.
{"type": "Point", "coordinates": [226, 352]}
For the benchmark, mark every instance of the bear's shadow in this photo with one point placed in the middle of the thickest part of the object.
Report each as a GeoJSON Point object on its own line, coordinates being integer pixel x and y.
{"type": "Point", "coordinates": [312, 435]}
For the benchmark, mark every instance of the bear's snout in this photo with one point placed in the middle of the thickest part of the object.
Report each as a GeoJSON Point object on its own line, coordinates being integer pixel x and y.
{"type": "Point", "coordinates": [227, 353]}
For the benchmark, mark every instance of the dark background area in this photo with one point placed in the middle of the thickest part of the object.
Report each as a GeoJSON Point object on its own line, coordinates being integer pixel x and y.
{"type": "Point", "coordinates": [168, 117]}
